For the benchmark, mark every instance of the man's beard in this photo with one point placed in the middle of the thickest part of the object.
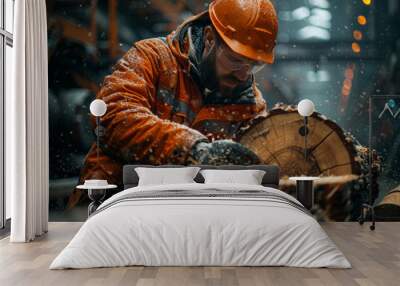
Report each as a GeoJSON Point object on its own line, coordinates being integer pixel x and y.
{"type": "Point", "coordinates": [207, 69]}
{"type": "Point", "coordinates": [211, 81]}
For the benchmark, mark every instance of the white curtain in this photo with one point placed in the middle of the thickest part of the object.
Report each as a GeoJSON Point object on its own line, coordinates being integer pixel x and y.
{"type": "Point", "coordinates": [27, 124]}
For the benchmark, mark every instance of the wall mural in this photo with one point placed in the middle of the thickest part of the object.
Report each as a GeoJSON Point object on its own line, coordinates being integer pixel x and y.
{"type": "Point", "coordinates": [385, 138]}
{"type": "Point", "coordinates": [176, 94]}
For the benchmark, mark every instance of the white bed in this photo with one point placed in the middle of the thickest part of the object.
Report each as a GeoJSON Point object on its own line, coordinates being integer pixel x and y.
{"type": "Point", "coordinates": [269, 229]}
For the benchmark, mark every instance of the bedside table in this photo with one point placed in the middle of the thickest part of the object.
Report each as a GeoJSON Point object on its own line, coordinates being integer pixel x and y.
{"type": "Point", "coordinates": [305, 190]}
{"type": "Point", "coordinates": [96, 195]}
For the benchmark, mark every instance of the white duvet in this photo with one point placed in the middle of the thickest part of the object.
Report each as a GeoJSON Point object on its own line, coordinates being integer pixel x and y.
{"type": "Point", "coordinates": [200, 231]}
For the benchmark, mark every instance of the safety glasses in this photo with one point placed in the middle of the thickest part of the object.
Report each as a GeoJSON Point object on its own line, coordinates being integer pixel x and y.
{"type": "Point", "coordinates": [236, 62]}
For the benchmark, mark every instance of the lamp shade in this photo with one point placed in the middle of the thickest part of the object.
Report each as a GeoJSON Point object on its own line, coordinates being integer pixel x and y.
{"type": "Point", "coordinates": [306, 107]}
{"type": "Point", "coordinates": [98, 107]}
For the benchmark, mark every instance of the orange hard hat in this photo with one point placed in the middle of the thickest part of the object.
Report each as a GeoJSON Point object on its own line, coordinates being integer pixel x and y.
{"type": "Point", "coordinates": [248, 27]}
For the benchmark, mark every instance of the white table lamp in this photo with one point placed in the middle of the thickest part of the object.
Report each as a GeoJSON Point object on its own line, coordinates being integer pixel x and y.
{"type": "Point", "coordinates": [98, 108]}
{"type": "Point", "coordinates": [305, 108]}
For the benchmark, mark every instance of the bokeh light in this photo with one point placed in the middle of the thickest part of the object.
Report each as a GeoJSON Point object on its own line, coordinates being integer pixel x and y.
{"type": "Point", "coordinates": [357, 35]}
{"type": "Point", "coordinates": [367, 2]}
{"type": "Point", "coordinates": [356, 47]}
{"type": "Point", "coordinates": [362, 20]}
{"type": "Point", "coordinates": [392, 103]}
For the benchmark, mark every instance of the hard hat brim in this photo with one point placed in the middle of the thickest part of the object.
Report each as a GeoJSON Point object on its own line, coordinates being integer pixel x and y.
{"type": "Point", "coordinates": [241, 49]}
{"type": "Point", "coordinates": [247, 51]}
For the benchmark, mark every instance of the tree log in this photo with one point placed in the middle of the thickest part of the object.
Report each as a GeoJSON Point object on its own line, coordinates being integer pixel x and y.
{"type": "Point", "coordinates": [389, 208]}
{"type": "Point", "coordinates": [333, 154]}
{"type": "Point", "coordinates": [277, 139]}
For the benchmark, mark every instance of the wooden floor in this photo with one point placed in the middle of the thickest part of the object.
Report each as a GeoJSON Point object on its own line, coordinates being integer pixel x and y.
{"type": "Point", "coordinates": [375, 257]}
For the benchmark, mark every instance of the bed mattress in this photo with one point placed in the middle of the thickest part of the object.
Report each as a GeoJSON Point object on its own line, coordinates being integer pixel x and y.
{"type": "Point", "coordinates": [201, 225]}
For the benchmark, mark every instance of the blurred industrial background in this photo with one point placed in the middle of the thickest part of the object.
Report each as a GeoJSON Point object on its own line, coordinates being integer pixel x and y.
{"type": "Point", "coordinates": [333, 52]}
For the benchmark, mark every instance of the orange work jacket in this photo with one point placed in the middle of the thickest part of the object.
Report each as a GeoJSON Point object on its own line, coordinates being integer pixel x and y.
{"type": "Point", "coordinates": [155, 111]}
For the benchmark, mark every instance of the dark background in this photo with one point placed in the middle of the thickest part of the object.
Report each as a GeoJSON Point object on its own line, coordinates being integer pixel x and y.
{"type": "Point", "coordinates": [315, 59]}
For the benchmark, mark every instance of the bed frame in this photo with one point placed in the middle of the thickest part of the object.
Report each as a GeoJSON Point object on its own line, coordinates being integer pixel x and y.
{"type": "Point", "coordinates": [271, 177]}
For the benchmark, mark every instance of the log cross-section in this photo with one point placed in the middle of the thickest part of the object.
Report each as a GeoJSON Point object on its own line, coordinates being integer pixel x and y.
{"type": "Point", "coordinates": [277, 140]}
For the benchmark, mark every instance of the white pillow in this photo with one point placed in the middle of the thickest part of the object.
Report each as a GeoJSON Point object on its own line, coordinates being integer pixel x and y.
{"type": "Point", "coordinates": [248, 177]}
{"type": "Point", "coordinates": [166, 176]}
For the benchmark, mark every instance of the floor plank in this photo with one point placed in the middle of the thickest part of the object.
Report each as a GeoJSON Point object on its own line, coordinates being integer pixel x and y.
{"type": "Point", "coordinates": [375, 257]}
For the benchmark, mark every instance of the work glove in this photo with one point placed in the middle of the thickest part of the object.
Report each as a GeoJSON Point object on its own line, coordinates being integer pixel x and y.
{"type": "Point", "coordinates": [222, 152]}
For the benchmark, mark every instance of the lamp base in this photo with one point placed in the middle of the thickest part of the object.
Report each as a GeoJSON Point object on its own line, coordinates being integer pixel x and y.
{"type": "Point", "coordinates": [97, 197]}
{"type": "Point", "coordinates": [366, 211]}
{"type": "Point", "coordinates": [305, 193]}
